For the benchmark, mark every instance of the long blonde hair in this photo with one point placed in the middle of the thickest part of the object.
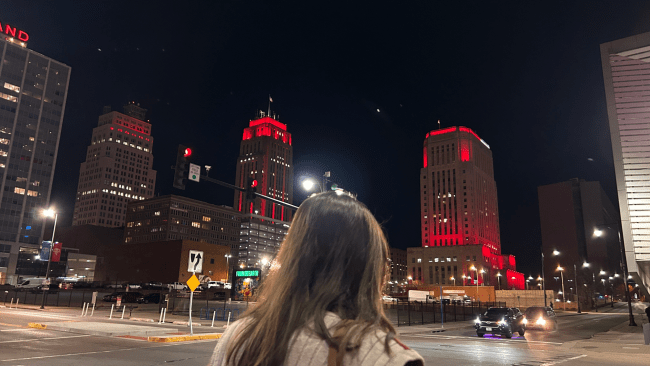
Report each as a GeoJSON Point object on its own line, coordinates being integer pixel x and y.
{"type": "Point", "coordinates": [334, 258]}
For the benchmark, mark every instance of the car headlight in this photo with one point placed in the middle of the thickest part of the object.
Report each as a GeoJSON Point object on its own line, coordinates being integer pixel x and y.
{"type": "Point", "coordinates": [477, 321]}
{"type": "Point", "coordinates": [503, 322]}
{"type": "Point", "coordinates": [525, 321]}
{"type": "Point", "coordinates": [541, 321]}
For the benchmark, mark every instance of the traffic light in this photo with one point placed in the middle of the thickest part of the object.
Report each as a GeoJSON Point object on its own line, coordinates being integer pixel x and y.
{"type": "Point", "coordinates": [251, 188]}
{"type": "Point", "coordinates": [182, 166]}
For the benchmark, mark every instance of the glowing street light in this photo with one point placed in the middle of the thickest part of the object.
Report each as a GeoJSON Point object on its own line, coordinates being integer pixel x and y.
{"type": "Point", "coordinates": [562, 278]}
{"type": "Point", "coordinates": [49, 213]}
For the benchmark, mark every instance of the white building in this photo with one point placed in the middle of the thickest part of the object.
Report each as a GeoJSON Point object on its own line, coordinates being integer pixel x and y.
{"type": "Point", "coordinates": [626, 73]}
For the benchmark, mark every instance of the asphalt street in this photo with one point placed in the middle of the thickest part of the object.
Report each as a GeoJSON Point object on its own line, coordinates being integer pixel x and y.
{"type": "Point", "coordinates": [458, 344]}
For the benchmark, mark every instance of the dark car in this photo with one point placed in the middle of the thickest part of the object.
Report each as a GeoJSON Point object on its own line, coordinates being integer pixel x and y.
{"type": "Point", "coordinates": [540, 317]}
{"type": "Point", "coordinates": [153, 297]}
{"type": "Point", "coordinates": [126, 296]}
{"type": "Point", "coordinates": [501, 321]}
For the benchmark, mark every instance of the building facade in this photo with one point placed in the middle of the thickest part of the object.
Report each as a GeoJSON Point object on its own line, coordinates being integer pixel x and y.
{"type": "Point", "coordinates": [462, 266]}
{"type": "Point", "coordinates": [571, 213]}
{"type": "Point", "coordinates": [174, 217]}
{"type": "Point", "coordinates": [34, 90]}
{"type": "Point", "coordinates": [458, 202]}
{"type": "Point", "coordinates": [118, 168]}
{"type": "Point", "coordinates": [259, 240]}
{"type": "Point", "coordinates": [626, 63]}
{"type": "Point", "coordinates": [266, 155]}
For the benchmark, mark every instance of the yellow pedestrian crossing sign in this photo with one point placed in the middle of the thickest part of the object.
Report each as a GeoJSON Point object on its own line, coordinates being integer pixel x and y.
{"type": "Point", "coordinates": [193, 283]}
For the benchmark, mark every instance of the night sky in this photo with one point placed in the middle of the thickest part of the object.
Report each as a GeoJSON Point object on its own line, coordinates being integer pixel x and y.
{"type": "Point", "coordinates": [525, 76]}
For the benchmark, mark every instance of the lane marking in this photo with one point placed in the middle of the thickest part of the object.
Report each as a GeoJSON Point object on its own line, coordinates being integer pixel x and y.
{"type": "Point", "coordinates": [43, 339]}
{"type": "Point", "coordinates": [483, 339]}
{"type": "Point", "coordinates": [97, 352]}
{"type": "Point", "coordinates": [41, 315]}
{"type": "Point", "coordinates": [15, 330]}
{"type": "Point", "coordinates": [562, 361]}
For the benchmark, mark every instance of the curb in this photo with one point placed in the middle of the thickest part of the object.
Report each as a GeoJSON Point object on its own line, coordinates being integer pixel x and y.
{"type": "Point", "coordinates": [177, 322]}
{"type": "Point", "coordinates": [142, 320]}
{"type": "Point", "coordinates": [184, 338]}
{"type": "Point", "coordinates": [37, 325]}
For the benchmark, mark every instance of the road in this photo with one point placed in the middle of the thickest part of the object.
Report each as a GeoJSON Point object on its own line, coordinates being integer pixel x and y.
{"type": "Point", "coordinates": [460, 346]}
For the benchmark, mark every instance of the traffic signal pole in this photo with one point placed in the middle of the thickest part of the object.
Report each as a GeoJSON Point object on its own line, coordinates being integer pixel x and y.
{"type": "Point", "coordinates": [257, 195]}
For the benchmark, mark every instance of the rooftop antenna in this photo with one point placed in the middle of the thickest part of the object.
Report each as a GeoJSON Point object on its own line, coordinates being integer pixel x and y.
{"type": "Point", "coordinates": [438, 124]}
{"type": "Point", "coordinates": [270, 101]}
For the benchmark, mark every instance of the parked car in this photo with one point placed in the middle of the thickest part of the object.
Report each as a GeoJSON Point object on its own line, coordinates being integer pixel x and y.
{"type": "Point", "coordinates": [177, 286]}
{"type": "Point", "coordinates": [30, 283]}
{"type": "Point", "coordinates": [153, 297]}
{"type": "Point", "coordinates": [153, 285]}
{"type": "Point", "coordinates": [126, 296]}
{"type": "Point", "coordinates": [540, 317]}
{"type": "Point", "coordinates": [135, 286]}
{"type": "Point", "coordinates": [501, 321]}
{"type": "Point", "coordinates": [113, 285]}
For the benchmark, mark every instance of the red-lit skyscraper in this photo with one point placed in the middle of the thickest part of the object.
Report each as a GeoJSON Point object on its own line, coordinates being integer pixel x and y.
{"type": "Point", "coordinates": [266, 155]}
{"type": "Point", "coordinates": [459, 210]}
{"type": "Point", "coordinates": [459, 195]}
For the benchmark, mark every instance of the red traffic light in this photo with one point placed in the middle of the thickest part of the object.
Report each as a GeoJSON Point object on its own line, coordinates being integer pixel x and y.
{"type": "Point", "coordinates": [188, 152]}
{"type": "Point", "coordinates": [254, 183]}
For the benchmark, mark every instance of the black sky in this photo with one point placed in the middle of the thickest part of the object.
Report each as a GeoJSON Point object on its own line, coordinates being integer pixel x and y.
{"type": "Point", "coordinates": [526, 76]}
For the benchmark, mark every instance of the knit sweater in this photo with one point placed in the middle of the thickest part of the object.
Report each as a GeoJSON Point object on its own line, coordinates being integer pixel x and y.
{"type": "Point", "coordinates": [308, 349]}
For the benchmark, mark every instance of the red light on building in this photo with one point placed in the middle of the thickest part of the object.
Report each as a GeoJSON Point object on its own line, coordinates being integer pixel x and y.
{"type": "Point", "coordinates": [254, 183]}
{"type": "Point", "coordinates": [425, 157]}
{"type": "Point", "coordinates": [188, 152]}
{"type": "Point", "coordinates": [14, 32]}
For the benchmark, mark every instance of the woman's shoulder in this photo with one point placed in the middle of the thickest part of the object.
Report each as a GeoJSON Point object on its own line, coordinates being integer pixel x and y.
{"type": "Point", "coordinates": [372, 350]}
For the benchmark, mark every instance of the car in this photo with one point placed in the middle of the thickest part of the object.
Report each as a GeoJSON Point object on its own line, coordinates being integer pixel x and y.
{"type": "Point", "coordinates": [153, 297]}
{"type": "Point", "coordinates": [540, 317]}
{"type": "Point", "coordinates": [134, 286]}
{"type": "Point", "coordinates": [501, 321]}
{"type": "Point", "coordinates": [153, 285]}
{"type": "Point", "coordinates": [113, 285]}
{"type": "Point", "coordinates": [177, 286]}
{"type": "Point", "coordinates": [387, 298]}
{"type": "Point", "coordinates": [126, 296]}
{"type": "Point", "coordinates": [30, 284]}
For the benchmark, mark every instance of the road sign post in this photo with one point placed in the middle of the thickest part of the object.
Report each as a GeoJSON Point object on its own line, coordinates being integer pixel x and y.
{"type": "Point", "coordinates": [192, 283]}
{"type": "Point", "coordinates": [195, 172]}
{"type": "Point", "coordinates": [195, 261]}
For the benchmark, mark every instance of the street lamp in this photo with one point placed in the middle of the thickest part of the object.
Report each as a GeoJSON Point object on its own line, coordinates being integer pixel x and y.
{"type": "Point", "coordinates": [464, 282]}
{"type": "Point", "coordinates": [499, 279]}
{"type": "Point", "coordinates": [483, 277]}
{"type": "Point", "coordinates": [453, 279]}
{"type": "Point", "coordinates": [562, 278]}
{"type": "Point", "coordinates": [49, 213]}
{"type": "Point", "coordinates": [625, 272]}
{"type": "Point", "coordinates": [472, 268]}
{"type": "Point", "coordinates": [228, 266]}
{"type": "Point", "coordinates": [575, 277]}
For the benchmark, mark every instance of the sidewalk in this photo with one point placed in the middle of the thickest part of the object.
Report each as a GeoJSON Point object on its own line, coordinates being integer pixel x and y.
{"type": "Point", "coordinates": [143, 326]}
{"type": "Point", "coordinates": [622, 338]}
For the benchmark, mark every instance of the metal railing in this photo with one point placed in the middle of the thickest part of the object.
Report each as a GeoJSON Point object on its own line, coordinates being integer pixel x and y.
{"type": "Point", "coordinates": [403, 312]}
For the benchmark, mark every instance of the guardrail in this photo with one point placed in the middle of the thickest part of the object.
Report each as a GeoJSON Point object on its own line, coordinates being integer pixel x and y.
{"type": "Point", "coordinates": [403, 312]}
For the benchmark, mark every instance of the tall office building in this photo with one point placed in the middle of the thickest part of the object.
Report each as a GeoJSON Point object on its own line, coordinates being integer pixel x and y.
{"type": "Point", "coordinates": [459, 195]}
{"type": "Point", "coordinates": [569, 214]}
{"type": "Point", "coordinates": [626, 65]}
{"type": "Point", "coordinates": [266, 155]}
{"type": "Point", "coordinates": [117, 170]}
{"type": "Point", "coordinates": [459, 207]}
{"type": "Point", "coordinates": [32, 105]}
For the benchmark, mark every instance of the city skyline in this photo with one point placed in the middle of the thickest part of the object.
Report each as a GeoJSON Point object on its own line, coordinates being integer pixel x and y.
{"type": "Point", "coordinates": [358, 103]}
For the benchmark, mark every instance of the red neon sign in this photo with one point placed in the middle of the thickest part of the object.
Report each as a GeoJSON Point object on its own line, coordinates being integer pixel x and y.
{"type": "Point", "coordinates": [14, 32]}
